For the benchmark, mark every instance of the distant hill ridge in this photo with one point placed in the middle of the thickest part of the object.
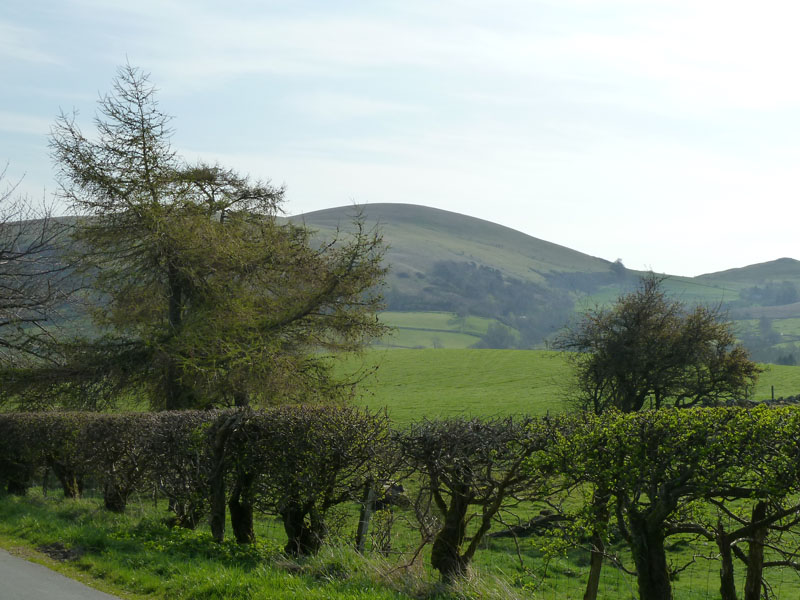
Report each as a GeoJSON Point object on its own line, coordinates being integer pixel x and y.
{"type": "Point", "coordinates": [483, 238]}
{"type": "Point", "coordinates": [420, 235]}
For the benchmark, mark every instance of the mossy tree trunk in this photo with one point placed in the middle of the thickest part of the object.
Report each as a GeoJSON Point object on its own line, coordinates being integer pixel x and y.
{"type": "Point", "coordinates": [71, 481]}
{"type": "Point", "coordinates": [650, 557]}
{"type": "Point", "coordinates": [115, 497]}
{"type": "Point", "coordinates": [305, 530]}
{"type": "Point", "coordinates": [446, 556]}
{"type": "Point", "coordinates": [600, 514]}
{"type": "Point", "coordinates": [240, 506]}
{"type": "Point", "coordinates": [755, 555]}
{"type": "Point", "coordinates": [727, 588]}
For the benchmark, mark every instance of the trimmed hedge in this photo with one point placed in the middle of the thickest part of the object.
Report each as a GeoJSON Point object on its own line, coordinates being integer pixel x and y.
{"type": "Point", "coordinates": [650, 470]}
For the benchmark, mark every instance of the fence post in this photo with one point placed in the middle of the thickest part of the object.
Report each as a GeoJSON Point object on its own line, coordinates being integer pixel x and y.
{"type": "Point", "coordinates": [367, 504]}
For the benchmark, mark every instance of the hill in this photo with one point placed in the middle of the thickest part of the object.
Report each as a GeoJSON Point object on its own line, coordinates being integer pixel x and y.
{"type": "Point", "coordinates": [782, 269]}
{"type": "Point", "coordinates": [528, 288]}
{"type": "Point", "coordinates": [420, 236]}
{"type": "Point", "coordinates": [448, 262]}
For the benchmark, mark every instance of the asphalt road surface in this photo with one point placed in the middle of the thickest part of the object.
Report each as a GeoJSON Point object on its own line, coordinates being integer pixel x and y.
{"type": "Point", "coordinates": [23, 580]}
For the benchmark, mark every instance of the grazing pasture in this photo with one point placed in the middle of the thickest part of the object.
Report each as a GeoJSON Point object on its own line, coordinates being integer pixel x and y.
{"type": "Point", "coordinates": [412, 384]}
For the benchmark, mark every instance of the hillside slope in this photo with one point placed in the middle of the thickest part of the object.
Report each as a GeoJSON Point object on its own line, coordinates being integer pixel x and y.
{"type": "Point", "coordinates": [419, 236]}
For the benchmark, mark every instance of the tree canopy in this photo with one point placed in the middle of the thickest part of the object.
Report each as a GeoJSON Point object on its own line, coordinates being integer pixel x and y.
{"type": "Point", "coordinates": [647, 350]}
{"type": "Point", "coordinates": [201, 294]}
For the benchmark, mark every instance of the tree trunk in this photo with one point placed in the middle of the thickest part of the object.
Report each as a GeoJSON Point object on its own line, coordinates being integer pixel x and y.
{"type": "Point", "coordinates": [727, 587]}
{"type": "Point", "coordinates": [600, 518]}
{"type": "Point", "coordinates": [241, 509]}
{"type": "Point", "coordinates": [595, 568]}
{"type": "Point", "coordinates": [240, 399]}
{"type": "Point", "coordinates": [71, 482]}
{"type": "Point", "coordinates": [304, 535]}
{"type": "Point", "coordinates": [115, 499]}
{"type": "Point", "coordinates": [216, 480]}
{"type": "Point", "coordinates": [755, 556]}
{"type": "Point", "coordinates": [178, 396]}
{"type": "Point", "coordinates": [650, 557]}
{"type": "Point", "coordinates": [217, 484]}
{"type": "Point", "coordinates": [446, 554]}
{"type": "Point", "coordinates": [18, 477]}
{"type": "Point", "coordinates": [367, 506]}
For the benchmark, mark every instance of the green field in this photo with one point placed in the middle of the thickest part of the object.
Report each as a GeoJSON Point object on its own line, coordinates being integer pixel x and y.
{"type": "Point", "coordinates": [412, 384]}
{"type": "Point", "coordinates": [436, 383]}
{"type": "Point", "coordinates": [432, 330]}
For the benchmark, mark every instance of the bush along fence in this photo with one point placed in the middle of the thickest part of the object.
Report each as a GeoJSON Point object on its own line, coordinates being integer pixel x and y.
{"type": "Point", "coordinates": [730, 476]}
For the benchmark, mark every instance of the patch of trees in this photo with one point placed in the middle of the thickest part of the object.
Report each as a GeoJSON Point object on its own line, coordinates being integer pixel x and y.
{"type": "Point", "coordinates": [769, 346]}
{"type": "Point", "coordinates": [728, 475]}
{"type": "Point", "coordinates": [771, 294]}
{"type": "Point", "coordinates": [588, 283]}
{"type": "Point", "coordinates": [34, 275]}
{"type": "Point", "coordinates": [534, 311]}
{"type": "Point", "coordinates": [686, 472]}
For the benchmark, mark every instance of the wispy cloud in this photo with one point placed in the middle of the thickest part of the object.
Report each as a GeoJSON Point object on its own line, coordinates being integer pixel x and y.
{"type": "Point", "coordinates": [24, 44]}
{"type": "Point", "coordinates": [338, 106]}
{"type": "Point", "coordinates": [12, 122]}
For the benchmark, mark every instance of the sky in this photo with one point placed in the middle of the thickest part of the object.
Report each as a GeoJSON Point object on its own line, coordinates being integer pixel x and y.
{"type": "Point", "coordinates": [665, 133]}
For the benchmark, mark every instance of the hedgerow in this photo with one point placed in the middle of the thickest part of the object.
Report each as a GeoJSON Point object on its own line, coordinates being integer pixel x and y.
{"type": "Point", "coordinates": [728, 475]}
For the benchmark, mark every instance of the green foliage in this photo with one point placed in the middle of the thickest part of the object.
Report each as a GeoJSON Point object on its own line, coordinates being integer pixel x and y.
{"type": "Point", "coordinates": [298, 463]}
{"type": "Point", "coordinates": [498, 336]}
{"type": "Point", "coordinates": [650, 351]}
{"type": "Point", "coordinates": [661, 470]}
{"type": "Point", "coordinates": [471, 463]}
{"type": "Point", "coordinates": [203, 296]}
{"type": "Point", "coordinates": [728, 475]}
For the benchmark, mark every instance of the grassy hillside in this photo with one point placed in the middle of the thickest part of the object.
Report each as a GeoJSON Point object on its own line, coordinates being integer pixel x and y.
{"type": "Point", "coordinates": [782, 269]}
{"type": "Point", "coordinates": [412, 384]}
{"type": "Point", "coordinates": [420, 236]}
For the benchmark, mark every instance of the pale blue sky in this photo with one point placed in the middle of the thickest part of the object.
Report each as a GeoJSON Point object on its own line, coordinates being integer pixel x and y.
{"type": "Point", "coordinates": [662, 132]}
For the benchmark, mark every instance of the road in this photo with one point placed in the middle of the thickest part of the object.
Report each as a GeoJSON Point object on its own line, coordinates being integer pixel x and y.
{"type": "Point", "coordinates": [23, 580]}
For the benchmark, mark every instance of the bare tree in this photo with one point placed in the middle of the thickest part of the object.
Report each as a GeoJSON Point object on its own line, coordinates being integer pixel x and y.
{"type": "Point", "coordinates": [32, 275]}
